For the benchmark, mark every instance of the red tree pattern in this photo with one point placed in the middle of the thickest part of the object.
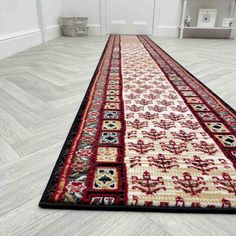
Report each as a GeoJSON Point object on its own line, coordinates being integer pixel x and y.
{"type": "Point", "coordinates": [157, 91]}
{"type": "Point", "coordinates": [157, 108]}
{"type": "Point", "coordinates": [173, 147]}
{"type": "Point", "coordinates": [162, 162]}
{"type": "Point", "coordinates": [135, 108]}
{"type": "Point", "coordinates": [141, 147]}
{"type": "Point", "coordinates": [203, 165]}
{"type": "Point", "coordinates": [133, 96]}
{"type": "Point", "coordinates": [151, 96]}
{"type": "Point", "coordinates": [171, 96]}
{"type": "Point", "coordinates": [205, 147]}
{"type": "Point", "coordinates": [132, 134]}
{"type": "Point", "coordinates": [164, 124]}
{"type": "Point", "coordinates": [135, 161]}
{"type": "Point", "coordinates": [138, 91]}
{"type": "Point", "coordinates": [147, 184]}
{"type": "Point", "coordinates": [165, 102]}
{"type": "Point", "coordinates": [137, 124]}
{"type": "Point", "coordinates": [182, 135]}
{"type": "Point", "coordinates": [226, 183]}
{"type": "Point", "coordinates": [148, 115]}
{"type": "Point", "coordinates": [173, 116]}
{"type": "Point", "coordinates": [190, 185]}
{"type": "Point", "coordinates": [153, 134]}
{"type": "Point", "coordinates": [179, 108]}
{"type": "Point", "coordinates": [143, 102]}
{"type": "Point", "coordinates": [190, 124]}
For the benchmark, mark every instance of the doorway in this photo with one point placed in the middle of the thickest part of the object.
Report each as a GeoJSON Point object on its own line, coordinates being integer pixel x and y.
{"type": "Point", "coordinates": [129, 16]}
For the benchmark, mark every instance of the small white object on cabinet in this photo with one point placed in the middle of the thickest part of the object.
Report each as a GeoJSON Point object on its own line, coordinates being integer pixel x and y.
{"type": "Point", "coordinates": [184, 27]}
{"type": "Point", "coordinates": [207, 18]}
{"type": "Point", "coordinates": [227, 22]}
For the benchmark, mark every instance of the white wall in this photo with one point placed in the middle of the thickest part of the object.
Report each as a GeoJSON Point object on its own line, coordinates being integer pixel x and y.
{"type": "Point", "coordinates": [15, 17]}
{"type": "Point", "coordinates": [19, 26]}
{"type": "Point", "coordinates": [26, 23]}
{"type": "Point", "coordinates": [89, 8]}
{"type": "Point", "coordinates": [51, 11]}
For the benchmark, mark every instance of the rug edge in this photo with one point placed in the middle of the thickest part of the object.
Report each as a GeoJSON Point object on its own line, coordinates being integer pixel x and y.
{"type": "Point", "coordinates": [69, 206]}
{"type": "Point", "coordinates": [80, 111]}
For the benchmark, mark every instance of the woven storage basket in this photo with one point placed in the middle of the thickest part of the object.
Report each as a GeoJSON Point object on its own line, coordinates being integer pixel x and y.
{"type": "Point", "coordinates": [74, 26]}
{"type": "Point", "coordinates": [69, 31]}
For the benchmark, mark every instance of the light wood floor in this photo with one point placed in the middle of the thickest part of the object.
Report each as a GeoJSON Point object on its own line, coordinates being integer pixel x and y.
{"type": "Point", "coordinates": [40, 92]}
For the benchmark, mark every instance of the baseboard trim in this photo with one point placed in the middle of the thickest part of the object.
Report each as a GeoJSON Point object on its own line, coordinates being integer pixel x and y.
{"type": "Point", "coordinates": [52, 32]}
{"type": "Point", "coordinates": [16, 42]}
{"type": "Point", "coordinates": [94, 29]}
{"type": "Point", "coordinates": [20, 34]}
{"type": "Point", "coordinates": [134, 28]}
{"type": "Point", "coordinates": [166, 31]}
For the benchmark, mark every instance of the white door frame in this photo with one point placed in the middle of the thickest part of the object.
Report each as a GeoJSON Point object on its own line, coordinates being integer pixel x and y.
{"type": "Point", "coordinates": [102, 17]}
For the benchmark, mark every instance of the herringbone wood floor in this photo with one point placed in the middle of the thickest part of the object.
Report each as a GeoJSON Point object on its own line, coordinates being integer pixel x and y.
{"type": "Point", "coordinates": [40, 92]}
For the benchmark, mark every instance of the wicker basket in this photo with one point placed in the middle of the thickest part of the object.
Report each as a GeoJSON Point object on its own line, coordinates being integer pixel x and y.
{"type": "Point", "coordinates": [68, 21]}
{"type": "Point", "coordinates": [74, 26]}
{"type": "Point", "coordinates": [69, 31]}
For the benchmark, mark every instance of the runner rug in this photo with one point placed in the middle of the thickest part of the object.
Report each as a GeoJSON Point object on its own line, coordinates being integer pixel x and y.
{"type": "Point", "coordinates": [148, 136]}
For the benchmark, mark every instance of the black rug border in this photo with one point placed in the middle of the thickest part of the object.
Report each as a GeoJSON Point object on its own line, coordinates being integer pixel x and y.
{"type": "Point", "coordinates": [68, 206]}
{"type": "Point", "coordinates": [197, 210]}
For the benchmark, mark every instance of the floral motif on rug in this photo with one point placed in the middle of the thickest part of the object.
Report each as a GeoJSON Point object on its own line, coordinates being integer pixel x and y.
{"type": "Point", "coordinates": [148, 136]}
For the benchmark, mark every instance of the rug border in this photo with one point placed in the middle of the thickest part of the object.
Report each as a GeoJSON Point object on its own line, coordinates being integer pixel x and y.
{"type": "Point", "coordinates": [69, 206]}
{"type": "Point", "coordinates": [194, 77]}
{"type": "Point", "coordinates": [75, 122]}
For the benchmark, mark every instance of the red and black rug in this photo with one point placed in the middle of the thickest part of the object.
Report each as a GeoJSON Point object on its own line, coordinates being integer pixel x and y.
{"type": "Point", "coordinates": [148, 136]}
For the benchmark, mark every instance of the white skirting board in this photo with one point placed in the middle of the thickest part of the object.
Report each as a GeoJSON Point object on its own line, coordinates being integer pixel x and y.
{"type": "Point", "coordinates": [122, 27]}
{"type": "Point", "coordinates": [11, 44]}
{"type": "Point", "coordinates": [52, 32]}
{"type": "Point", "coordinates": [14, 43]}
{"type": "Point", "coordinates": [17, 42]}
{"type": "Point", "coordinates": [164, 31]}
{"type": "Point", "coordinates": [94, 29]}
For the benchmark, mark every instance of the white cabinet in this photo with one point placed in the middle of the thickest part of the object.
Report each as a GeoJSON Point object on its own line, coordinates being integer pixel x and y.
{"type": "Point", "coordinates": [226, 9]}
